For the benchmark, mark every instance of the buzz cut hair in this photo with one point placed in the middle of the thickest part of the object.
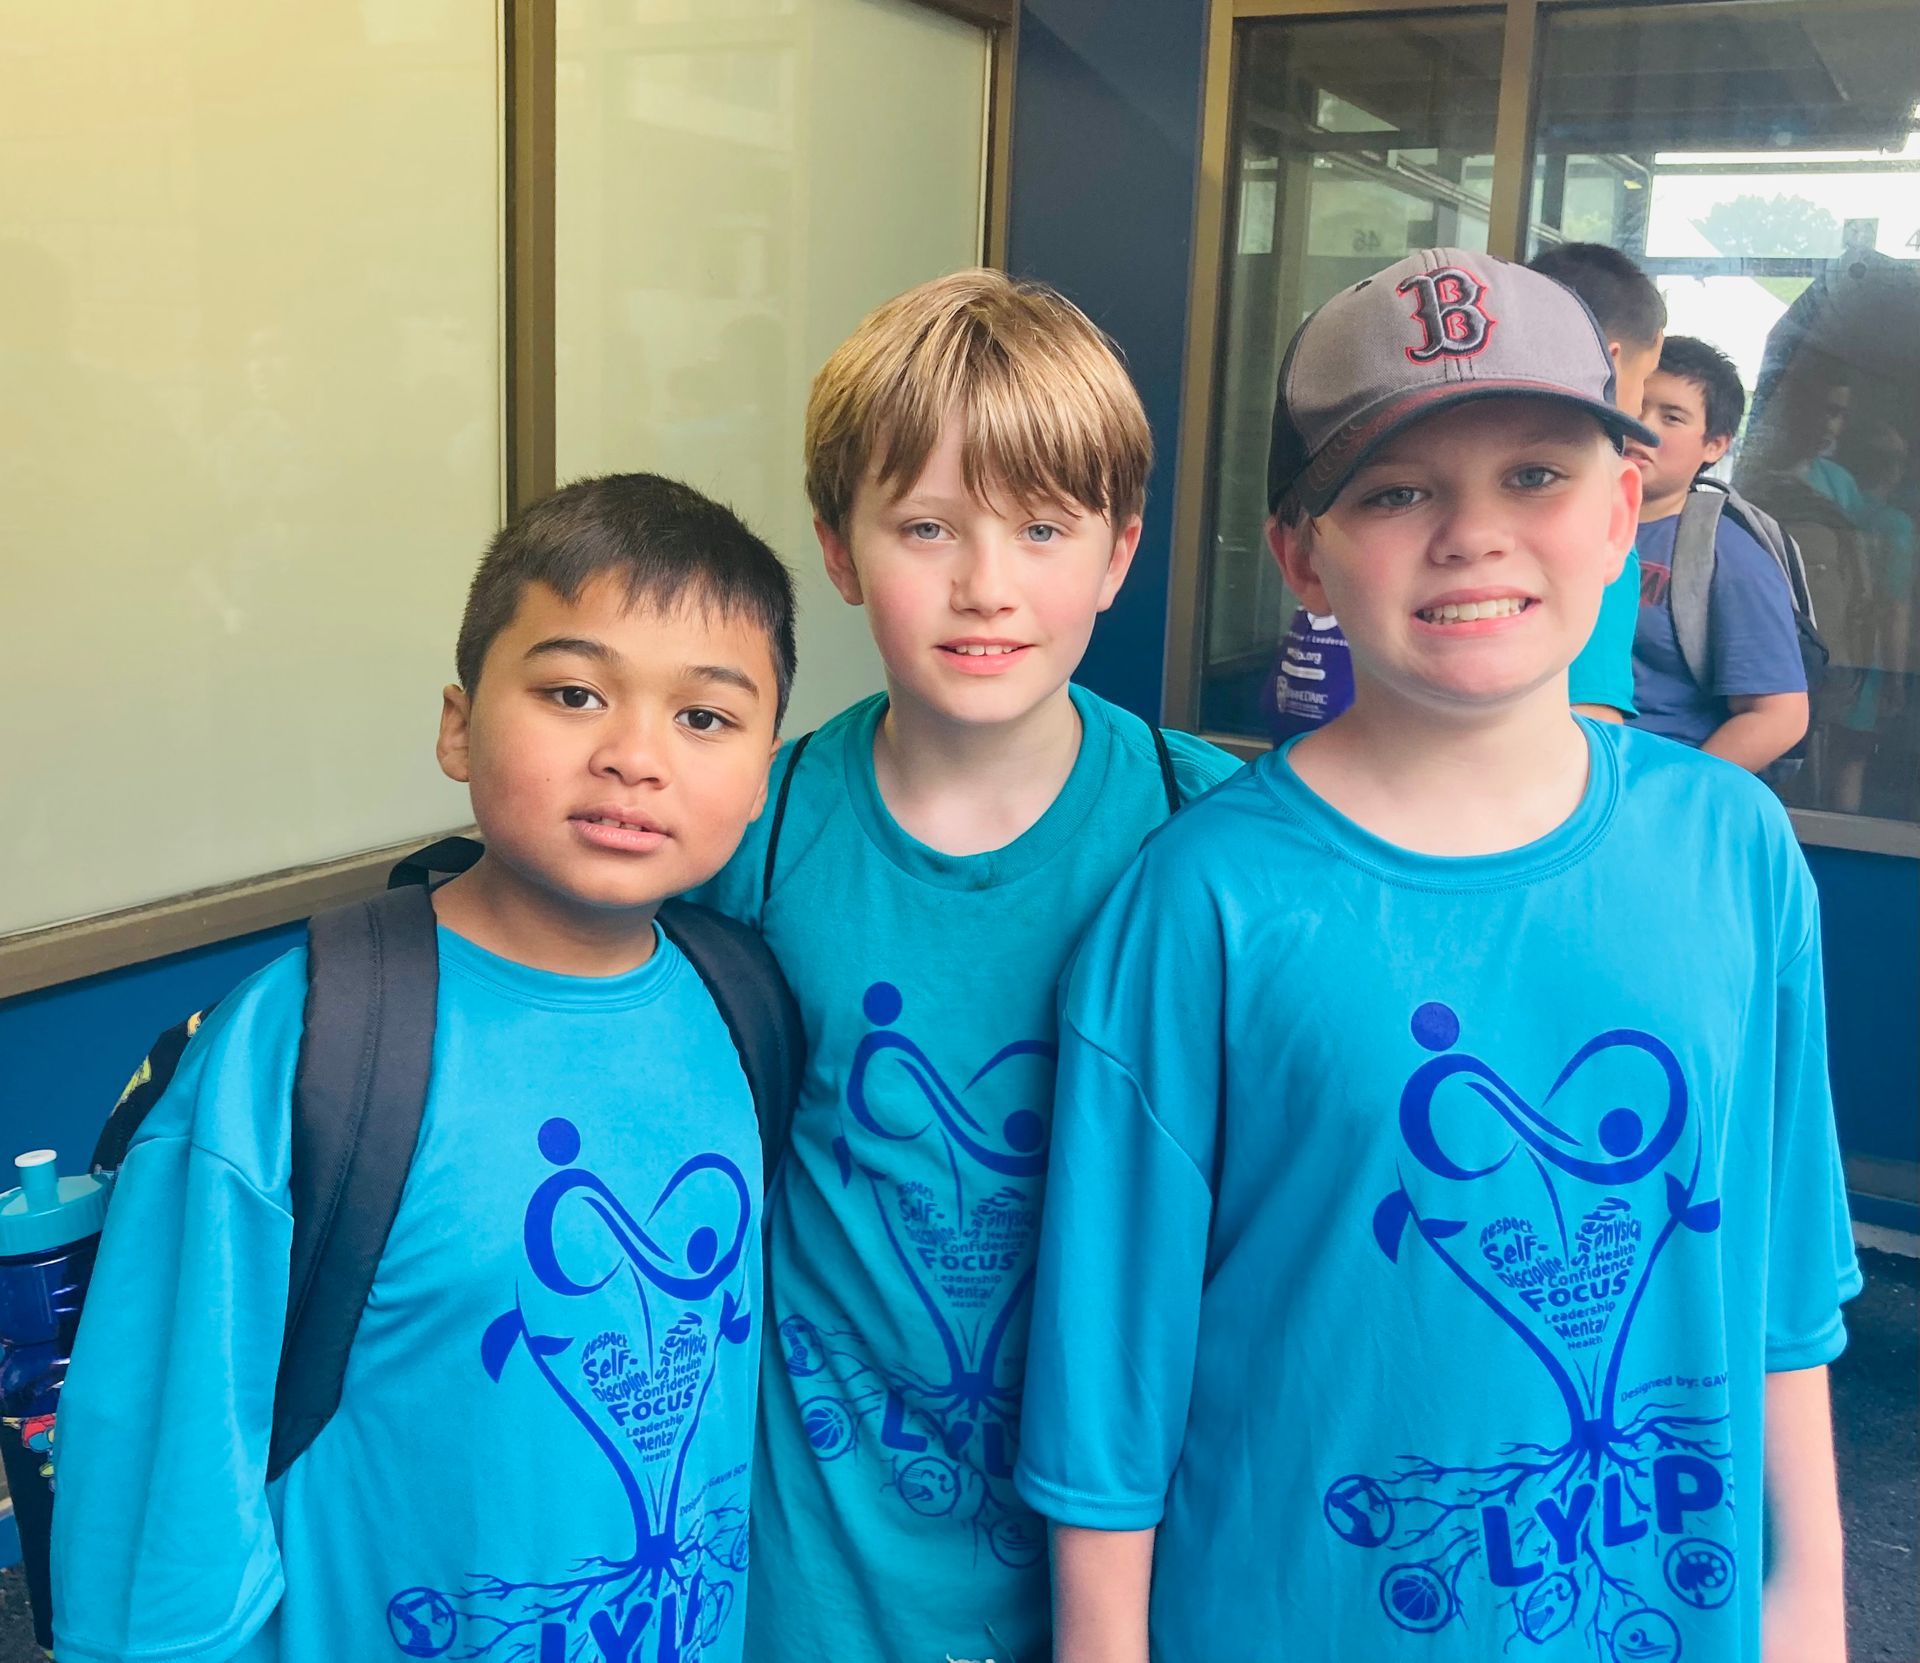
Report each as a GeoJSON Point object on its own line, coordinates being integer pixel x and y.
{"type": "Point", "coordinates": [1621, 297]}
{"type": "Point", "coordinates": [665, 543]}
{"type": "Point", "coordinates": [1046, 408]}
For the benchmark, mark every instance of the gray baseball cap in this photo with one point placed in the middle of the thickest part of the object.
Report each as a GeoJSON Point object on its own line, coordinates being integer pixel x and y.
{"type": "Point", "coordinates": [1436, 329]}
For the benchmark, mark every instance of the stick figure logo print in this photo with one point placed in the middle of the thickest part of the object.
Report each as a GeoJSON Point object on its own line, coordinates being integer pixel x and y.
{"type": "Point", "coordinates": [1556, 1219]}
{"type": "Point", "coordinates": [953, 1178]}
{"type": "Point", "coordinates": [626, 1318]}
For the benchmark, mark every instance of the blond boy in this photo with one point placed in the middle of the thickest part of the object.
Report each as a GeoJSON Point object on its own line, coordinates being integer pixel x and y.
{"type": "Point", "coordinates": [976, 460]}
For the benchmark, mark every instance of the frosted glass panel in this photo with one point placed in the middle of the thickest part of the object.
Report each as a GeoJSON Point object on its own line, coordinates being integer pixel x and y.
{"type": "Point", "coordinates": [249, 443]}
{"type": "Point", "coordinates": [738, 185]}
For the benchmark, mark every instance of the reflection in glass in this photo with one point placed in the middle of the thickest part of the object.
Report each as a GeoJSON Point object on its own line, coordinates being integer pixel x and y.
{"type": "Point", "coordinates": [1780, 217]}
{"type": "Point", "coordinates": [249, 438]}
{"type": "Point", "coordinates": [1355, 142]}
{"type": "Point", "coordinates": [737, 186]}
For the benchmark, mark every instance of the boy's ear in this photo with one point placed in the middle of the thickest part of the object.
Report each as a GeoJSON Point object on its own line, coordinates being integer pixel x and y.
{"type": "Point", "coordinates": [456, 732]}
{"type": "Point", "coordinates": [1126, 541]}
{"type": "Point", "coordinates": [1623, 527]}
{"type": "Point", "coordinates": [760, 802]}
{"type": "Point", "coordinates": [1716, 447]}
{"type": "Point", "coordinates": [839, 559]}
{"type": "Point", "coordinates": [1292, 547]}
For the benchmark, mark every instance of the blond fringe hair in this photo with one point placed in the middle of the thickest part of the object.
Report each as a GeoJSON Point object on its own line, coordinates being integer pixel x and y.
{"type": "Point", "coordinates": [1045, 403]}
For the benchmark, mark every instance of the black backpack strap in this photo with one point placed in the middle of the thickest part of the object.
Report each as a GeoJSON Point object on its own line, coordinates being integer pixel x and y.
{"type": "Point", "coordinates": [1168, 779]}
{"type": "Point", "coordinates": [758, 1008]}
{"type": "Point", "coordinates": [450, 857]}
{"type": "Point", "coordinates": [366, 1054]}
{"type": "Point", "coordinates": [779, 818]}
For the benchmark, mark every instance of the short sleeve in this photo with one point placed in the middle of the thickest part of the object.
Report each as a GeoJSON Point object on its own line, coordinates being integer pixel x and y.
{"type": "Point", "coordinates": [1124, 1233]}
{"type": "Point", "coordinates": [1754, 641]}
{"type": "Point", "coordinates": [167, 1409]}
{"type": "Point", "coordinates": [1198, 765]}
{"type": "Point", "coordinates": [1602, 674]}
{"type": "Point", "coordinates": [1811, 1266]}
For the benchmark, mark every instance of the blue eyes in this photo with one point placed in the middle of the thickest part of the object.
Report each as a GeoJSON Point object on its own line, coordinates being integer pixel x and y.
{"type": "Point", "coordinates": [932, 531]}
{"type": "Point", "coordinates": [1535, 476]}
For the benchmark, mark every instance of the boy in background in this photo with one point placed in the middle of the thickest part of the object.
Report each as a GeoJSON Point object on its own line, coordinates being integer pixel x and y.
{"type": "Point", "coordinates": [1755, 709]}
{"type": "Point", "coordinates": [1632, 315]}
{"type": "Point", "coordinates": [976, 457]}
{"type": "Point", "coordinates": [543, 1437]}
{"type": "Point", "coordinates": [1472, 1300]}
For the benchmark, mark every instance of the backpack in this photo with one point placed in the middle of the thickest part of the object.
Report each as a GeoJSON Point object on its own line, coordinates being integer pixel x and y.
{"type": "Point", "coordinates": [1690, 587]}
{"type": "Point", "coordinates": [360, 1089]}
{"type": "Point", "coordinates": [1169, 782]}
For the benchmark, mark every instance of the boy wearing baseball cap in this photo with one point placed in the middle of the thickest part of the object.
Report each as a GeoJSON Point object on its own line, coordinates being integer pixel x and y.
{"type": "Point", "coordinates": [1420, 1278]}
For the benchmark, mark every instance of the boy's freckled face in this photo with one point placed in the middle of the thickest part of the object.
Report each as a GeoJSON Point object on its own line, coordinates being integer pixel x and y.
{"type": "Point", "coordinates": [1467, 558]}
{"type": "Point", "coordinates": [981, 610]}
{"type": "Point", "coordinates": [615, 754]}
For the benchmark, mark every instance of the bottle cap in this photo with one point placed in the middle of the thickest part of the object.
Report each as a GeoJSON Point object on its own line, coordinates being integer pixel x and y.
{"type": "Point", "coordinates": [48, 1211]}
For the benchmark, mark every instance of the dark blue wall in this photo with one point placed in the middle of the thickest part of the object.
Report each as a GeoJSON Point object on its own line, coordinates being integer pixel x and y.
{"type": "Point", "coordinates": [1106, 140]}
{"type": "Point", "coordinates": [1870, 929]}
{"type": "Point", "coordinates": [66, 1052]}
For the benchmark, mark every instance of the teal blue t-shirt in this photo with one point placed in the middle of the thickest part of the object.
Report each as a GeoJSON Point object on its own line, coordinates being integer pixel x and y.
{"type": "Point", "coordinates": [1603, 671]}
{"type": "Point", "coordinates": [543, 1444]}
{"type": "Point", "coordinates": [902, 1222]}
{"type": "Point", "coordinates": [1413, 1257]}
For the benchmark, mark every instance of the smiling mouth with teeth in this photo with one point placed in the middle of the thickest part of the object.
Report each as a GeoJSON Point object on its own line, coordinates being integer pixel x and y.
{"type": "Point", "coordinates": [977, 650]}
{"type": "Point", "coordinates": [1471, 612]}
{"type": "Point", "coordinates": [624, 825]}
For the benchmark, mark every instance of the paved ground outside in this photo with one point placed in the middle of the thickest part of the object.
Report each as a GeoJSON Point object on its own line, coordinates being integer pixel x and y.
{"type": "Point", "coordinates": [1876, 1387]}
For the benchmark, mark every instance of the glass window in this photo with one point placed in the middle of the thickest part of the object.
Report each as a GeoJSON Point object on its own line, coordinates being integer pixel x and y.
{"type": "Point", "coordinates": [1762, 162]}
{"type": "Point", "coordinates": [1355, 142]}
{"type": "Point", "coordinates": [250, 437]}
{"type": "Point", "coordinates": [737, 186]}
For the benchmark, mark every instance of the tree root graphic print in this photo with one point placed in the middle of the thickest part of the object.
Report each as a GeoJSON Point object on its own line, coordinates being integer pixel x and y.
{"type": "Point", "coordinates": [1556, 1219]}
{"type": "Point", "coordinates": [961, 1229]}
{"type": "Point", "coordinates": [665, 1596]}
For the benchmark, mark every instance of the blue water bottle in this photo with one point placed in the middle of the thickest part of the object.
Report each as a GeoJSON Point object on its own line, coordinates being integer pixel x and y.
{"type": "Point", "coordinates": [49, 1232]}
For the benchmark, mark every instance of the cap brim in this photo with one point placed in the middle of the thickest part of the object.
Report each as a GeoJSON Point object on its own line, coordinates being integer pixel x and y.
{"type": "Point", "coordinates": [1341, 457]}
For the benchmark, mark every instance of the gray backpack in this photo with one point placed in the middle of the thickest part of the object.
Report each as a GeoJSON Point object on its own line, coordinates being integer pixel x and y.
{"type": "Point", "coordinates": [1690, 588]}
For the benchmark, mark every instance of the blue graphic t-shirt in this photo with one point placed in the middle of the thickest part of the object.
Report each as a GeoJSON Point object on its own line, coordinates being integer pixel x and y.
{"type": "Point", "coordinates": [1752, 639]}
{"type": "Point", "coordinates": [543, 1442]}
{"type": "Point", "coordinates": [1425, 1305]}
{"type": "Point", "coordinates": [885, 1527]}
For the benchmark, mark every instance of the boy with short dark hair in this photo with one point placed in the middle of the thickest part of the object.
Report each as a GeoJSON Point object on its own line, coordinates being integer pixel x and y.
{"type": "Point", "coordinates": [1420, 1279]}
{"type": "Point", "coordinates": [976, 457]}
{"type": "Point", "coordinates": [542, 1444]}
{"type": "Point", "coordinates": [1754, 710]}
{"type": "Point", "coordinates": [1632, 315]}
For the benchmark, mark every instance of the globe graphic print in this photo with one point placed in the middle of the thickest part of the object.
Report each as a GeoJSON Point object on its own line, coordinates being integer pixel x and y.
{"type": "Point", "coordinates": [422, 1621]}
{"type": "Point", "coordinates": [1416, 1599]}
{"type": "Point", "coordinates": [1358, 1510]}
